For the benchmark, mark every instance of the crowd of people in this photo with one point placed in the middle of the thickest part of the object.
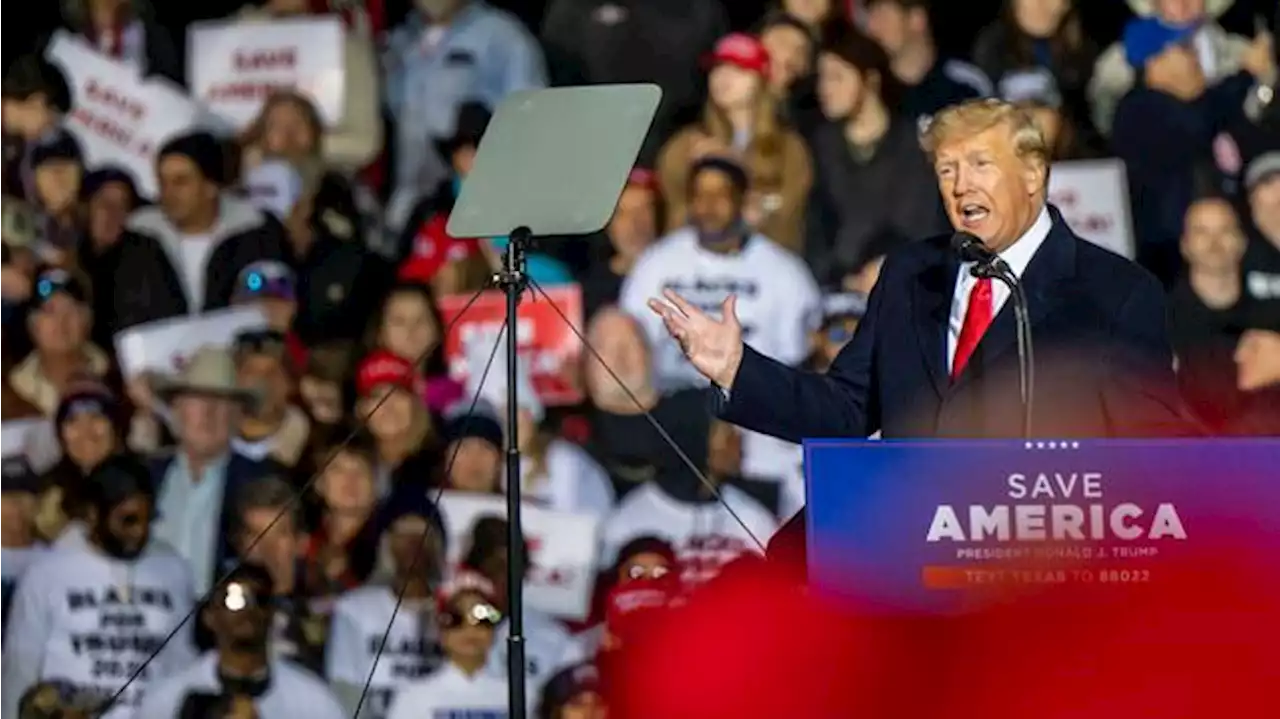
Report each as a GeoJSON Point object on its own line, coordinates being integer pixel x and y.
{"type": "Point", "coordinates": [262, 526]}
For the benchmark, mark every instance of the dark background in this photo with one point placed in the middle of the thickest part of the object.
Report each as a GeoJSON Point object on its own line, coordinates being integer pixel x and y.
{"type": "Point", "coordinates": [956, 22]}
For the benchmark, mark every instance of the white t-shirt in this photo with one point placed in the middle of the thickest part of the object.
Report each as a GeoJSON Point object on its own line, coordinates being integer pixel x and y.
{"type": "Point", "coordinates": [779, 305]}
{"type": "Point", "coordinates": [193, 258]}
{"type": "Point", "coordinates": [450, 694]}
{"type": "Point", "coordinates": [81, 616]}
{"type": "Point", "coordinates": [573, 482]}
{"type": "Point", "coordinates": [13, 562]}
{"type": "Point", "coordinates": [359, 619]}
{"type": "Point", "coordinates": [292, 692]}
{"type": "Point", "coordinates": [549, 647]}
{"type": "Point", "coordinates": [705, 536]}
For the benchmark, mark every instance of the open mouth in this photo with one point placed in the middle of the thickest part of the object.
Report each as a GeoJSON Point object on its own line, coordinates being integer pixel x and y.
{"type": "Point", "coordinates": [972, 213]}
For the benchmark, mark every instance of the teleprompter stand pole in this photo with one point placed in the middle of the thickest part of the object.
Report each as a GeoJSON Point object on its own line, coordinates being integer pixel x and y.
{"type": "Point", "coordinates": [513, 281]}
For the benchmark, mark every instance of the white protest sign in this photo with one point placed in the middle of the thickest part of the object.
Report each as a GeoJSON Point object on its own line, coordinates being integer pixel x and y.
{"type": "Point", "coordinates": [119, 117]}
{"type": "Point", "coordinates": [165, 345]}
{"type": "Point", "coordinates": [233, 67]}
{"type": "Point", "coordinates": [562, 549]}
{"type": "Point", "coordinates": [16, 434]}
{"type": "Point", "coordinates": [1093, 197]}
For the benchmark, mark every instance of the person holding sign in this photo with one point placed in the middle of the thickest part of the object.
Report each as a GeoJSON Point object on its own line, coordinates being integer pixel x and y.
{"type": "Point", "coordinates": [934, 354]}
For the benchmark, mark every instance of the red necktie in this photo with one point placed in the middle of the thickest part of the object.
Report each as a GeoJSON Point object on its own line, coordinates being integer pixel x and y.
{"type": "Point", "coordinates": [976, 321]}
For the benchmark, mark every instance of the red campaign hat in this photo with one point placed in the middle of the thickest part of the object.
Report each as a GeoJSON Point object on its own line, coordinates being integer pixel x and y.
{"type": "Point", "coordinates": [465, 580]}
{"type": "Point", "coordinates": [632, 605]}
{"type": "Point", "coordinates": [381, 367]}
{"type": "Point", "coordinates": [433, 247]}
{"type": "Point", "coordinates": [743, 50]}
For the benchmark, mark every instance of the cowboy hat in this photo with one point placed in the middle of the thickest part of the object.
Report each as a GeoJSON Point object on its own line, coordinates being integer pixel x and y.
{"type": "Point", "coordinates": [1212, 8]}
{"type": "Point", "coordinates": [211, 370]}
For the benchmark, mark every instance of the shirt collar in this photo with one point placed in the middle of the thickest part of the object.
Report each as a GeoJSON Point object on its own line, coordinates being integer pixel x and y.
{"type": "Point", "coordinates": [216, 468]}
{"type": "Point", "coordinates": [1019, 254]}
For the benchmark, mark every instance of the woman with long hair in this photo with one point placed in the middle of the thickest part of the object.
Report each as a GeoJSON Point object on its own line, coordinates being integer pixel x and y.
{"type": "Point", "coordinates": [741, 120]}
{"type": "Point", "coordinates": [389, 403]}
{"type": "Point", "coordinates": [409, 326]}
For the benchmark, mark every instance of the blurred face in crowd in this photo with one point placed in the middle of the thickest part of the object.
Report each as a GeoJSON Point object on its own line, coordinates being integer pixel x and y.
{"type": "Point", "coordinates": [1211, 238]}
{"type": "Point", "coordinates": [617, 339]}
{"type": "Point", "coordinates": [790, 52]}
{"type": "Point", "coordinates": [895, 27]}
{"type": "Point", "coordinates": [715, 204]}
{"type": "Point", "coordinates": [239, 615]}
{"type": "Point", "coordinates": [841, 91]}
{"type": "Point", "coordinates": [411, 536]}
{"type": "Point", "coordinates": [439, 9]}
{"type": "Point", "coordinates": [287, 131]}
{"type": "Point", "coordinates": [732, 88]}
{"type": "Point", "coordinates": [265, 373]}
{"type": "Point", "coordinates": [88, 438]}
{"type": "Point", "coordinates": [278, 547]}
{"type": "Point", "coordinates": [467, 633]}
{"type": "Point", "coordinates": [60, 326]}
{"type": "Point", "coordinates": [644, 565]}
{"type": "Point", "coordinates": [1040, 18]}
{"type": "Point", "coordinates": [58, 185]}
{"type": "Point", "coordinates": [463, 159]}
{"type": "Point", "coordinates": [725, 456]}
{"type": "Point", "coordinates": [347, 483]}
{"type": "Point", "coordinates": [812, 12]}
{"type": "Point", "coordinates": [108, 209]}
{"type": "Point", "coordinates": [29, 118]}
{"type": "Point", "coordinates": [16, 512]}
{"type": "Point", "coordinates": [1179, 12]}
{"type": "Point", "coordinates": [205, 422]}
{"type": "Point", "coordinates": [988, 190]}
{"type": "Point", "coordinates": [394, 407]}
{"type": "Point", "coordinates": [635, 223]}
{"type": "Point", "coordinates": [474, 465]}
{"type": "Point", "coordinates": [408, 329]}
{"type": "Point", "coordinates": [125, 528]}
{"type": "Point", "coordinates": [1258, 360]}
{"type": "Point", "coordinates": [186, 195]}
{"type": "Point", "coordinates": [1264, 206]}
{"type": "Point", "coordinates": [584, 705]}
{"type": "Point", "coordinates": [322, 398]}
{"type": "Point", "coordinates": [1176, 71]}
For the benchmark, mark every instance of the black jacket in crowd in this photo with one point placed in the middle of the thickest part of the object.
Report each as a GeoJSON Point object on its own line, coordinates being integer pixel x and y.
{"type": "Point", "coordinates": [854, 201]}
{"type": "Point", "coordinates": [149, 285]}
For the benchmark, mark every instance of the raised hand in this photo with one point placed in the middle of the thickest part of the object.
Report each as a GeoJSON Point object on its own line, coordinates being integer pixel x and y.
{"type": "Point", "coordinates": [714, 347]}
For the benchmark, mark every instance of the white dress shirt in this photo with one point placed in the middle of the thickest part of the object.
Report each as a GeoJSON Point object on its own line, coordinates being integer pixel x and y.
{"type": "Point", "coordinates": [1017, 255]}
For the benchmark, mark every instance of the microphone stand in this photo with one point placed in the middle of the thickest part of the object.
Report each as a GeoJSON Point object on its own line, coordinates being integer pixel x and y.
{"type": "Point", "coordinates": [998, 269]}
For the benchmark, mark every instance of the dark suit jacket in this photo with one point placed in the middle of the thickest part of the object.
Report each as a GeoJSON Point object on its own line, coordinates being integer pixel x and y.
{"type": "Point", "coordinates": [1103, 364]}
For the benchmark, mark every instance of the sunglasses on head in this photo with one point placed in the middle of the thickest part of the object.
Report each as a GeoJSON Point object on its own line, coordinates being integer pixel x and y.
{"type": "Point", "coordinates": [482, 614]}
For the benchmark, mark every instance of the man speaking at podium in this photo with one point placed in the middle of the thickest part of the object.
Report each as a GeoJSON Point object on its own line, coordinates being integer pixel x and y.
{"type": "Point", "coordinates": [935, 355]}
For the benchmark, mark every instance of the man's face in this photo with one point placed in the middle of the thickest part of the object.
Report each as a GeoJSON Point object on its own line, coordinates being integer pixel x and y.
{"type": "Point", "coordinates": [467, 638]}
{"type": "Point", "coordinates": [125, 530]}
{"type": "Point", "coordinates": [1180, 12]}
{"type": "Point", "coordinates": [1258, 360]}
{"type": "Point", "coordinates": [278, 547]}
{"type": "Point", "coordinates": [635, 223]}
{"type": "Point", "coordinates": [1040, 18]}
{"type": "Point", "coordinates": [58, 185]}
{"type": "Point", "coordinates": [17, 510]}
{"type": "Point", "coordinates": [1211, 238]}
{"type": "Point", "coordinates": [108, 209]}
{"type": "Point", "coordinates": [475, 465]}
{"type": "Point", "coordinates": [1264, 206]}
{"type": "Point", "coordinates": [891, 25]}
{"type": "Point", "coordinates": [205, 423]}
{"type": "Point", "coordinates": [184, 191]}
{"type": "Point", "coordinates": [987, 189]}
{"type": "Point", "coordinates": [840, 88]}
{"type": "Point", "coordinates": [264, 373]}
{"type": "Point", "coordinates": [88, 438]}
{"type": "Point", "coordinates": [27, 118]}
{"type": "Point", "coordinates": [240, 615]}
{"type": "Point", "coordinates": [617, 340]}
{"type": "Point", "coordinates": [60, 326]}
{"type": "Point", "coordinates": [789, 56]}
{"type": "Point", "coordinates": [715, 205]}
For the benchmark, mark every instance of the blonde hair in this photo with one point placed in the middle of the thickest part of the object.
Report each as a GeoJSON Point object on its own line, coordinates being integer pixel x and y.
{"type": "Point", "coordinates": [764, 153]}
{"type": "Point", "coordinates": [970, 118]}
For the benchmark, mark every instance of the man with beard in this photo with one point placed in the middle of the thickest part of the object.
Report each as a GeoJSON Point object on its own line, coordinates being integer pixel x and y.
{"type": "Point", "coordinates": [240, 668]}
{"type": "Point", "coordinates": [94, 613]}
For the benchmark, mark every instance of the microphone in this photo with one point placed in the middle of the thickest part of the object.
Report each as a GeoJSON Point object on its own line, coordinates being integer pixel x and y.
{"type": "Point", "coordinates": [986, 263]}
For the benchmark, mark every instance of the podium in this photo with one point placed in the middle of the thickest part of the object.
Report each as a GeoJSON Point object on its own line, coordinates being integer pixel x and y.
{"type": "Point", "coordinates": [909, 527]}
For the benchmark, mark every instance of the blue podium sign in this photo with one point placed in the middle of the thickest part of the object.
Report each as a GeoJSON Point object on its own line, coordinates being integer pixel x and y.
{"type": "Point", "coordinates": [924, 525]}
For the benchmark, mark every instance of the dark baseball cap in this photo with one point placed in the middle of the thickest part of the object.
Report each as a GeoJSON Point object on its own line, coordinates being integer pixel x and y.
{"type": "Point", "coordinates": [53, 281]}
{"type": "Point", "coordinates": [265, 279]}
